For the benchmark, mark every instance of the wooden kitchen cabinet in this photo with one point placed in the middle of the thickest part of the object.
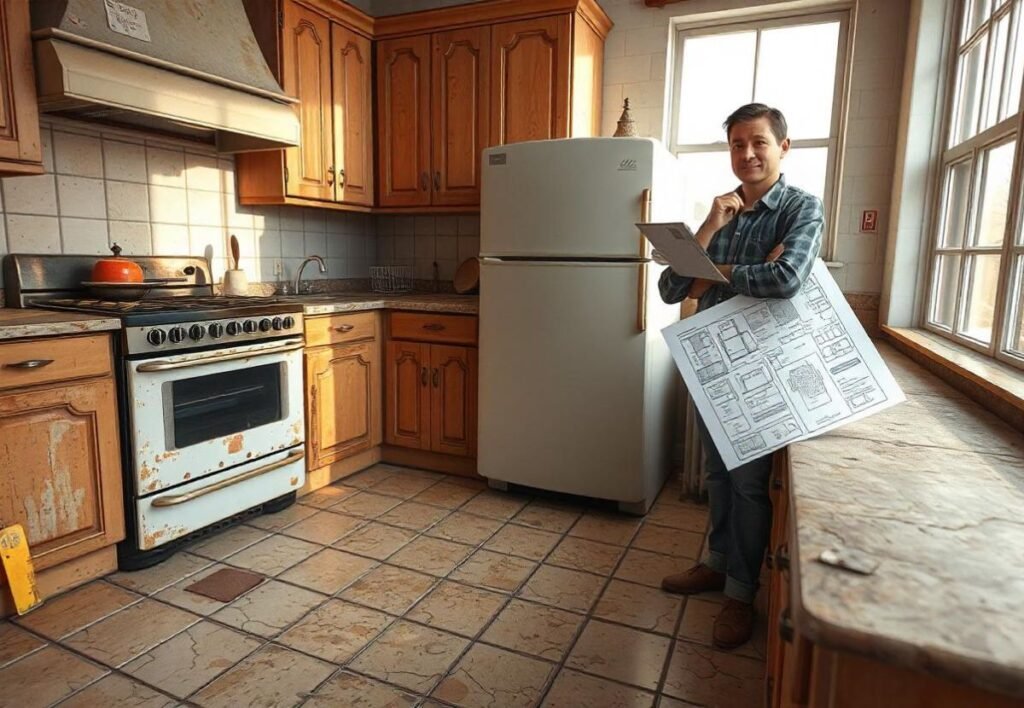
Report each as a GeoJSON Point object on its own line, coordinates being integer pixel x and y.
{"type": "Point", "coordinates": [403, 105]}
{"type": "Point", "coordinates": [60, 465]}
{"type": "Point", "coordinates": [352, 73]}
{"type": "Point", "coordinates": [21, 150]}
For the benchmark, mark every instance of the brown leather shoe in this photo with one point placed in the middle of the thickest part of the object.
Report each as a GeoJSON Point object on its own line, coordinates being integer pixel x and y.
{"type": "Point", "coordinates": [734, 624]}
{"type": "Point", "coordinates": [699, 578]}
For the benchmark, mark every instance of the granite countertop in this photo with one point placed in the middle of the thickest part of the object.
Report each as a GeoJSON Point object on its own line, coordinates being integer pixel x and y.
{"type": "Point", "coordinates": [16, 323]}
{"type": "Point", "coordinates": [327, 304]}
{"type": "Point", "coordinates": [932, 489]}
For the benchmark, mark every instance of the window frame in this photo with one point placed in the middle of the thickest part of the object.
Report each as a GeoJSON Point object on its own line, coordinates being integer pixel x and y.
{"type": "Point", "coordinates": [835, 143]}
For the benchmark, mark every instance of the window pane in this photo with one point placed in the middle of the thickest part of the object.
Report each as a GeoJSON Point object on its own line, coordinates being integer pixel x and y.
{"type": "Point", "coordinates": [995, 74]}
{"type": "Point", "coordinates": [1016, 342]}
{"type": "Point", "coordinates": [1012, 102]}
{"type": "Point", "coordinates": [947, 275]}
{"type": "Point", "coordinates": [717, 78]}
{"type": "Point", "coordinates": [805, 168]}
{"type": "Point", "coordinates": [958, 184]}
{"type": "Point", "coordinates": [980, 291]}
{"type": "Point", "coordinates": [975, 12]}
{"type": "Point", "coordinates": [796, 73]}
{"type": "Point", "coordinates": [969, 93]}
{"type": "Point", "coordinates": [705, 176]}
{"type": "Point", "coordinates": [995, 195]}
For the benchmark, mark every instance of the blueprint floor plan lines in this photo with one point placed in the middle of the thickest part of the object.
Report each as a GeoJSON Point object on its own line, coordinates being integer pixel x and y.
{"type": "Point", "coordinates": [765, 373]}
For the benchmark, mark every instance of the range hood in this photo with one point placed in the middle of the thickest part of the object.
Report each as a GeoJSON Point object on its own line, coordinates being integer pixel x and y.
{"type": "Point", "coordinates": [186, 67]}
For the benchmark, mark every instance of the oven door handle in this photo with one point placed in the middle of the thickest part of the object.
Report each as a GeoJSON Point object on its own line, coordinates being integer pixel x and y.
{"type": "Point", "coordinates": [167, 365]}
{"type": "Point", "coordinates": [176, 499]}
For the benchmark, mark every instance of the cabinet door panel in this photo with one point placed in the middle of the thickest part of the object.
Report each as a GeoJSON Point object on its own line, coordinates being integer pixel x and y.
{"type": "Point", "coordinates": [353, 119]}
{"type": "Point", "coordinates": [343, 401]}
{"type": "Point", "coordinates": [530, 80]}
{"type": "Point", "coordinates": [60, 470]}
{"type": "Point", "coordinates": [453, 400]}
{"type": "Point", "coordinates": [403, 127]}
{"type": "Point", "coordinates": [307, 76]}
{"type": "Point", "coordinates": [460, 92]}
{"type": "Point", "coordinates": [19, 113]}
{"type": "Point", "coordinates": [407, 412]}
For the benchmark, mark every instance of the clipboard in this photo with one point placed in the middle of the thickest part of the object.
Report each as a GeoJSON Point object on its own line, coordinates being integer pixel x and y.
{"type": "Point", "coordinates": [678, 244]}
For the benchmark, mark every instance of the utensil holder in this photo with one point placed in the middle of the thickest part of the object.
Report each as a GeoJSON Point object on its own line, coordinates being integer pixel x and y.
{"type": "Point", "coordinates": [235, 282]}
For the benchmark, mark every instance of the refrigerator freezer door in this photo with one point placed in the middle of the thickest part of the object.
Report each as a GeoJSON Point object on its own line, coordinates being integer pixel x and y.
{"type": "Point", "coordinates": [562, 378]}
{"type": "Point", "coordinates": [576, 198]}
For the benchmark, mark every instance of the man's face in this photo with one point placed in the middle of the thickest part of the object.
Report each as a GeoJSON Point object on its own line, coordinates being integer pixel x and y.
{"type": "Point", "coordinates": [756, 153]}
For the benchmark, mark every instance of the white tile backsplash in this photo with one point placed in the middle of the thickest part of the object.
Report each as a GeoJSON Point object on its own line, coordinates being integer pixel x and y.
{"type": "Point", "coordinates": [82, 197]}
{"type": "Point", "coordinates": [124, 161]}
{"type": "Point", "coordinates": [85, 236]}
{"type": "Point", "coordinates": [202, 173]}
{"type": "Point", "coordinates": [134, 237]}
{"type": "Point", "coordinates": [166, 167]}
{"type": "Point", "coordinates": [33, 234]}
{"type": "Point", "coordinates": [127, 201]}
{"type": "Point", "coordinates": [36, 194]}
{"type": "Point", "coordinates": [76, 154]}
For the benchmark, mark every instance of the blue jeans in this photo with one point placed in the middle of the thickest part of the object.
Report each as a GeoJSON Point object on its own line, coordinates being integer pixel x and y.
{"type": "Point", "coordinates": [741, 519]}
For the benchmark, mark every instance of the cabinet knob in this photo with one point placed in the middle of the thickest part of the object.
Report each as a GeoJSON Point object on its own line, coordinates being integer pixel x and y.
{"type": "Point", "coordinates": [437, 181]}
{"type": "Point", "coordinates": [786, 627]}
{"type": "Point", "coordinates": [29, 364]}
{"type": "Point", "coordinates": [344, 328]}
{"type": "Point", "coordinates": [434, 326]}
{"type": "Point", "coordinates": [423, 376]}
{"type": "Point", "coordinates": [330, 175]}
{"type": "Point", "coordinates": [782, 558]}
{"type": "Point", "coordinates": [424, 181]}
{"type": "Point", "coordinates": [437, 378]}
{"type": "Point", "coordinates": [341, 177]}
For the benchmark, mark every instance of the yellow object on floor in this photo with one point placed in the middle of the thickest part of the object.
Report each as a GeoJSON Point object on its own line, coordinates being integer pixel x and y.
{"type": "Point", "coordinates": [17, 562]}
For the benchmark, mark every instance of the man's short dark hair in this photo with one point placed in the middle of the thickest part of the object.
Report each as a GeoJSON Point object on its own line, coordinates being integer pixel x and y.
{"type": "Point", "coordinates": [753, 111]}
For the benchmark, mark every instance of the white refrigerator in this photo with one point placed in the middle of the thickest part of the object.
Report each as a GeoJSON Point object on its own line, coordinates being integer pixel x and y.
{"type": "Point", "coordinates": [576, 381]}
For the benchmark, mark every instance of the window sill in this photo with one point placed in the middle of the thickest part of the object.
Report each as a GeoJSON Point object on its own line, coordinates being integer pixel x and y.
{"type": "Point", "coordinates": [991, 383]}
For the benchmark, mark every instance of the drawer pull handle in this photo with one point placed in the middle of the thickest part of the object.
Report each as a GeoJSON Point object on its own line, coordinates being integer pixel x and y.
{"type": "Point", "coordinates": [423, 376]}
{"type": "Point", "coordinates": [436, 378]}
{"type": "Point", "coordinates": [786, 627]}
{"type": "Point", "coordinates": [433, 327]}
{"type": "Point", "coordinates": [424, 181]}
{"type": "Point", "coordinates": [782, 558]}
{"type": "Point", "coordinates": [437, 181]}
{"type": "Point", "coordinates": [345, 328]}
{"type": "Point", "coordinates": [30, 364]}
{"type": "Point", "coordinates": [330, 175]}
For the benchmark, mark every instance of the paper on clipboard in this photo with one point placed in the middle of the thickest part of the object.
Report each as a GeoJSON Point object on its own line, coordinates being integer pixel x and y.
{"type": "Point", "coordinates": [677, 243]}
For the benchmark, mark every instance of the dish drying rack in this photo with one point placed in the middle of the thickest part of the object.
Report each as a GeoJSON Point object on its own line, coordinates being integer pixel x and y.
{"type": "Point", "coordinates": [391, 279]}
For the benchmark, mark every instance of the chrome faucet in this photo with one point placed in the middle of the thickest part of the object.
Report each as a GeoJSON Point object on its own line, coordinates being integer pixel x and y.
{"type": "Point", "coordinates": [298, 275]}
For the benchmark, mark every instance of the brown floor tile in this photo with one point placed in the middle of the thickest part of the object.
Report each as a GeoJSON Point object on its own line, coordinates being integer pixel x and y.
{"type": "Point", "coordinates": [699, 621]}
{"type": "Point", "coordinates": [669, 541]}
{"type": "Point", "coordinates": [621, 654]}
{"type": "Point", "coordinates": [335, 631]}
{"type": "Point", "coordinates": [369, 477]}
{"type": "Point", "coordinates": [200, 604]}
{"type": "Point", "coordinates": [269, 608]}
{"type": "Point", "coordinates": [465, 528]}
{"type": "Point", "coordinates": [273, 555]}
{"type": "Point", "coordinates": [457, 608]}
{"type": "Point", "coordinates": [116, 690]}
{"type": "Point", "coordinates": [446, 494]}
{"type": "Point", "coordinates": [16, 643]}
{"type": "Point", "coordinates": [328, 571]}
{"type": "Point", "coordinates": [390, 589]}
{"type": "Point", "coordinates": [495, 505]}
{"type": "Point", "coordinates": [413, 515]}
{"type": "Point", "coordinates": [714, 678]}
{"type": "Point", "coordinates": [572, 689]}
{"type": "Point", "coordinates": [353, 691]}
{"type": "Point", "coordinates": [161, 575]}
{"type": "Point", "coordinates": [542, 631]}
{"type": "Point", "coordinates": [68, 613]}
{"type": "Point", "coordinates": [494, 571]}
{"type": "Point", "coordinates": [649, 609]}
{"type": "Point", "coordinates": [328, 496]}
{"type": "Point", "coordinates": [547, 516]}
{"type": "Point", "coordinates": [196, 656]}
{"type": "Point", "coordinates": [366, 504]}
{"type": "Point", "coordinates": [431, 555]}
{"type": "Point", "coordinates": [669, 702]}
{"type": "Point", "coordinates": [679, 515]}
{"type": "Point", "coordinates": [324, 527]}
{"type": "Point", "coordinates": [649, 568]}
{"type": "Point", "coordinates": [487, 677]}
{"type": "Point", "coordinates": [123, 636]}
{"type": "Point", "coordinates": [522, 541]}
{"type": "Point", "coordinates": [225, 543]}
{"type": "Point", "coordinates": [272, 677]}
{"type": "Point", "coordinates": [402, 486]}
{"type": "Point", "coordinates": [561, 587]}
{"type": "Point", "coordinates": [589, 556]}
{"type": "Point", "coordinates": [607, 528]}
{"type": "Point", "coordinates": [410, 656]}
{"type": "Point", "coordinates": [45, 677]}
{"type": "Point", "coordinates": [375, 540]}
{"type": "Point", "coordinates": [282, 519]}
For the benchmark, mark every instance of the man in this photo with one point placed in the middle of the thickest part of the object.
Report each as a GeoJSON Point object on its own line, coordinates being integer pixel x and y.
{"type": "Point", "coordinates": [765, 236]}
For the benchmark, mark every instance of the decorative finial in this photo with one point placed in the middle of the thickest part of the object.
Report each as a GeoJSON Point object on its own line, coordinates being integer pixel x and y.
{"type": "Point", "coordinates": [626, 127]}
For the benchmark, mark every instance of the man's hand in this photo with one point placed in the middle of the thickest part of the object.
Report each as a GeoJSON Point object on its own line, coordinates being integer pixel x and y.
{"type": "Point", "coordinates": [723, 209]}
{"type": "Point", "coordinates": [699, 287]}
{"type": "Point", "coordinates": [775, 253]}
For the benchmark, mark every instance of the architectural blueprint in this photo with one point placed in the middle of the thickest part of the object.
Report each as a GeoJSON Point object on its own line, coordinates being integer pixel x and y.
{"type": "Point", "coordinates": [765, 373]}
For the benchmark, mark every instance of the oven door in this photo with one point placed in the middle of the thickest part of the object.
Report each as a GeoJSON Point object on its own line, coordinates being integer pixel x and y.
{"type": "Point", "coordinates": [197, 414]}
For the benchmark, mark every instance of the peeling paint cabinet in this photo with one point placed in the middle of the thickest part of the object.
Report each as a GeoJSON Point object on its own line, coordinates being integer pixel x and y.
{"type": "Point", "coordinates": [60, 468]}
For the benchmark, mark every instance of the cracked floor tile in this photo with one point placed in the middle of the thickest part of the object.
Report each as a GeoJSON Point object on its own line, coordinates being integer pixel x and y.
{"type": "Point", "coordinates": [649, 568]}
{"type": "Point", "coordinates": [542, 631]}
{"type": "Point", "coordinates": [446, 494]}
{"type": "Point", "coordinates": [269, 608]}
{"type": "Point", "coordinates": [619, 653]}
{"type": "Point", "coordinates": [606, 528]}
{"type": "Point", "coordinates": [548, 516]}
{"type": "Point", "coordinates": [402, 486]}
{"type": "Point", "coordinates": [16, 643]}
{"type": "Point", "coordinates": [431, 555]}
{"type": "Point", "coordinates": [375, 540]}
{"type": "Point", "coordinates": [282, 519]}
{"type": "Point", "coordinates": [410, 656]}
{"type": "Point", "coordinates": [273, 677]}
{"type": "Point", "coordinates": [703, 675]}
{"type": "Point", "coordinates": [561, 587]}
{"type": "Point", "coordinates": [649, 609]}
{"type": "Point", "coordinates": [366, 504]}
{"type": "Point", "coordinates": [115, 690]}
{"type": "Point", "coordinates": [193, 602]}
{"type": "Point", "coordinates": [328, 571]}
{"type": "Point", "coordinates": [390, 589]}
{"type": "Point", "coordinates": [522, 541]}
{"type": "Point", "coordinates": [496, 505]}
{"type": "Point", "coordinates": [45, 677]}
{"type": "Point", "coordinates": [586, 555]}
{"type": "Point", "coordinates": [225, 543]}
{"type": "Point", "coordinates": [572, 689]}
{"type": "Point", "coordinates": [487, 677]}
{"type": "Point", "coordinates": [162, 575]}
{"type": "Point", "coordinates": [413, 515]}
{"type": "Point", "coordinates": [273, 555]}
{"type": "Point", "coordinates": [123, 636]}
{"type": "Point", "coordinates": [353, 691]}
{"type": "Point", "coordinates": [457, 608]}
{"type": "Point", "coordinates": [671, 542]}
{"type": "Point", "coordinates": [465, 528]}
{"type": "Point", "coordinates": [494, 571]}
{"type": "Point", "coordinates": [324, 527]}
{"type": "Point", "coordinates": [68, 613]}
{"type": "Point", "coordinates": [335, 631]}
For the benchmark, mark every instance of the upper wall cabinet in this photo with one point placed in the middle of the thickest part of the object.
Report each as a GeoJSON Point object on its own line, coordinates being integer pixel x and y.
{"type": "Point", "coordinates": [21, 151]}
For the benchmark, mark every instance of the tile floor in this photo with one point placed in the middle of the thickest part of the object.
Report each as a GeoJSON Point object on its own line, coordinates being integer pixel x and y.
{"type": "Point", "coordinates": [398, 587]}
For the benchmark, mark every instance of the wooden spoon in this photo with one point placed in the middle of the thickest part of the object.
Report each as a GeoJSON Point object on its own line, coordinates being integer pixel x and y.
{"type": "Point", "coordinates": [234, 250]}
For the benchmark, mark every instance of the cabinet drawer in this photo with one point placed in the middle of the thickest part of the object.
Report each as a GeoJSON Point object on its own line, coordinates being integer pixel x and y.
{"type": "Point", "coordinates": [429, 327]}
{"type": "Point", "coordinates": [341, 328]}
{"type": "Point", "coordinates": [55, 359]}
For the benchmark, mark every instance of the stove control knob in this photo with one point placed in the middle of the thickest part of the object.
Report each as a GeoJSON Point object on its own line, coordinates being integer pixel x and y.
{"type": "Point", "coordinates": [289, 322]}
{"type": "Point", "coordinates": [176, 335]}
{"type": "Point", "coordinates": [234, 328]}
{"type": "Point", "coordinates": [156, 337]}
{"type": "Point", "coordinates": [196, 332]}
{"type": "Point", "coordinates": [265, 325]}
{"type": "Point", "coordinates": [216, 330]}
{"type": "Point", "coordinates": [277, 324]}
{"type": "Point", "coordinates": [249, 326]}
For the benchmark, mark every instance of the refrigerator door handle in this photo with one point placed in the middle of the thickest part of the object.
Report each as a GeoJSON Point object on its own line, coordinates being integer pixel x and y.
{"type": "Point", "coordinates": [641, 285]}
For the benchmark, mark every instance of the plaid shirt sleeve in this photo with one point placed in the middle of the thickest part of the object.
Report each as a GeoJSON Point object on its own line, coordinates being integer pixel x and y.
{"type": "Point", "coordinates": [674, 287]}
{"type": "Point", "coordinates": [802, 223]}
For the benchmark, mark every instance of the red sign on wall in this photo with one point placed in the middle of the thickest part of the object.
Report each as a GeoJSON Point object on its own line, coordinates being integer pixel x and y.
{"type": "Point", "coordinates": [869, 220]}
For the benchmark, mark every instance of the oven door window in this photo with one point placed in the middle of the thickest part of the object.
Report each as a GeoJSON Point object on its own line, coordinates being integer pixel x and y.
{"type": "Point", "coordinates": [216, 405]}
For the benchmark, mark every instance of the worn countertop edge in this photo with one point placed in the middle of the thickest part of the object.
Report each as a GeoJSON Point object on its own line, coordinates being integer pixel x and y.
{"type": "Point", "coordinates": [58, 327]}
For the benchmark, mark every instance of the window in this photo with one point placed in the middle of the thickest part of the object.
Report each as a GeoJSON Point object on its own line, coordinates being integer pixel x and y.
{"type": "Point", "coordinates": [796, 64]}
{"type": "Point", "coordinates": [976, 260]}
